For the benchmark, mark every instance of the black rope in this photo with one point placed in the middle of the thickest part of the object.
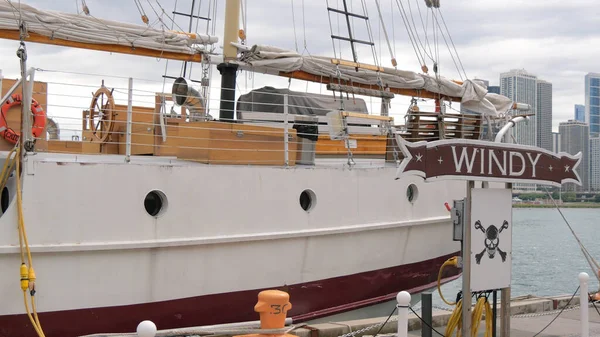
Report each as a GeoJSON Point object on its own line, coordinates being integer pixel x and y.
{"type": "Point", "coordinates": [561, 310]}
{"type": "Point", "coordinates": [423, 321]}
{"type": "Point", "coordinates": [384, 323]}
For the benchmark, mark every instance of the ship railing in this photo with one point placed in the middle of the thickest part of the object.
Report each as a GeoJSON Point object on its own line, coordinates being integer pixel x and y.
{"type": "Point", "coordinates": [144, 121]}
{"type": "Point", "coordinates": [429, 126]}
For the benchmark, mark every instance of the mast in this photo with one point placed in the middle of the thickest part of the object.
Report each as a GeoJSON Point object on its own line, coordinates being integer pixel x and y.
{"type": "Point", "coordinates": [226, 68]}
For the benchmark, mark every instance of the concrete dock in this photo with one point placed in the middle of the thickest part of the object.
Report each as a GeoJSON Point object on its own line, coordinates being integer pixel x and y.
{"type": "Point", "coordinates": [529, 315]}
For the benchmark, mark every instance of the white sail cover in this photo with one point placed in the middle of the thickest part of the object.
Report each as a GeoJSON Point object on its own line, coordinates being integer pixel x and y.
{"type": "Point", "coordinates": [88, 29]}
{"type": "Point", "coordinates": [473, 96]}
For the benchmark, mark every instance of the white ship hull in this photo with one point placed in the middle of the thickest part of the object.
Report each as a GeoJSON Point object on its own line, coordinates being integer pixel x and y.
{"type": "Point", "coordinates": [226, 232]}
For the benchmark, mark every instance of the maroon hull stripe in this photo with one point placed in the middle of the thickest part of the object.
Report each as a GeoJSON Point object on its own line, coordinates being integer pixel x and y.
{"type": "Point", "coordinates": [310, 300]}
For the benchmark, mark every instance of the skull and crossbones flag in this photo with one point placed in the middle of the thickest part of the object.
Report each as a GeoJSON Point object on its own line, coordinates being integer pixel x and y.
{"type": "Point", "coordinates": [491, 238]}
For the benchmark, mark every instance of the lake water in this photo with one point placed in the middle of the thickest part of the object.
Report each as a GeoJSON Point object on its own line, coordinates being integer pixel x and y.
{"type": "Point", "coordinates": [546, 256]}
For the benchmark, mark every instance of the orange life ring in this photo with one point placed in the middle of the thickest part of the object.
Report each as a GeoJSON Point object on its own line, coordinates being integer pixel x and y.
{"type": "Point", "coordinates": [39, 119]}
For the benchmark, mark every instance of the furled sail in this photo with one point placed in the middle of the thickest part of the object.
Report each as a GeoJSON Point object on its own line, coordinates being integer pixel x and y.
{"type": "Point", "coordinates": [472, 95]}
{"type": "Point", "coordinates": [90, 30]}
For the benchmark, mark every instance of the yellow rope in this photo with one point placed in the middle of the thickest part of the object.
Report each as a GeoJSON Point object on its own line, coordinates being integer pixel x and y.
{"type": "Point", "coordinates": [453, 261]}
{"type": "Point", "coordinates": [455, 321]}
{"type": "Point", "coordinates": [27, 274]}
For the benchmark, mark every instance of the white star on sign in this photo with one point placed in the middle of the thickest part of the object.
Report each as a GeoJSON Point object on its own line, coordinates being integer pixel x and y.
{"type": "Point", "coordinates": [440, 160]}
{"type": "Point", "coordinates": [566, 168]}
{"type": "Point", "coordinates": [550, 168]}
{"type": "Point", "coordinates": [419, 156]}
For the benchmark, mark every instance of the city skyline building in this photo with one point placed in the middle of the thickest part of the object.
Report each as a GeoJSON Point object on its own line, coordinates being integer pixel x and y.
{"type": "Point", "coordinates": [556, 142]}
{"type": "Point", "coordinates": [574, 138]}
{"type": "Point", "coordinates": [595, 164]}
{"type": "Point", "coordinates": [592, 103]}
{"type": "Point", "coordinates": [495, 89]}
{"type": "Point", "coordinates": [544, 115]}
{"type": "Point", "coordinates": [580, 112]}
{"type": "Point", "coordinates": [521, 87]}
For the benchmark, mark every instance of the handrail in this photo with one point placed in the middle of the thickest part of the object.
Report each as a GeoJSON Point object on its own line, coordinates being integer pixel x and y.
{"type": "Point", "coordinates": [507, 126]}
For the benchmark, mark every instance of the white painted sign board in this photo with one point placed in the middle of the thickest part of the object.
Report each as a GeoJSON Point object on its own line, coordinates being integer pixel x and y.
{"type": "Point", "coordinates": [491, 238]}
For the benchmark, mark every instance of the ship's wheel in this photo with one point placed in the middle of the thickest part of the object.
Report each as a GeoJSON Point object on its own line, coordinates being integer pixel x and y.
{"type": "Point", "coordinates": [102, 113]}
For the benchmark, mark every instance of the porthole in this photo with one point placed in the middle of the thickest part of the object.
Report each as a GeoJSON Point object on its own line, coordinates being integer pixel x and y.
{"type": "Point", "coordinates": [308, 200]}
{"type": "Point", "coordinates": [4, 200]}
{"type": "Point", "coordinates": [412, 192]}
{"type": "Point", "coordinates": [155, 203]}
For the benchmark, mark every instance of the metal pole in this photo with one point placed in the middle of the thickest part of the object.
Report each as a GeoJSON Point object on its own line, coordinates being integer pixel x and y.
{"type": "Point", "coordinates": [505, 303]}
{"type": "Point", "coordinates": [494, 312]}
{"type": "Point", "coordinates": [426, 314]}
{"type": "Point", "coordinates": [583, 304]}
{"type": "Point", "coordinates": [466, 262]}
{"type": "Point", "coordinates": [286, 155]}
{"type": "Point", "coordinates": [129, 118]}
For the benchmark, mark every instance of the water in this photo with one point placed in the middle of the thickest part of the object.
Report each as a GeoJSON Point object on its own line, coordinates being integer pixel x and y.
{"type": "Point", "coordinates": [546, 256]}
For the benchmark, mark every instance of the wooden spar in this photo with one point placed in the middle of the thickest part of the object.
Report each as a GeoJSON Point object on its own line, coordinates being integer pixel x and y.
{"type": "Point", "coordinates": [422, 93]}
{"type": "Point", "coordinates": [113, 48]}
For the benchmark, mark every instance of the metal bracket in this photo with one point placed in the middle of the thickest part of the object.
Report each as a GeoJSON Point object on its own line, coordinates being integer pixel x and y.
{"type": "Point", "coordinates": [457, 214]}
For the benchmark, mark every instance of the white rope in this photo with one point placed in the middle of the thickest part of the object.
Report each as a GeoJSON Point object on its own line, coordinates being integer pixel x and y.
{"type": "Point", "coordinates": [384, 30]}
{"type": "Point", "coordinates": [304, 25]}
{"type": "Point", "coordinates": [294, 25]}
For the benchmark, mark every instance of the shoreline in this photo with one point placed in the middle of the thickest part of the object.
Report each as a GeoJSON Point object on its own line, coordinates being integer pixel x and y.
{"type": "Point", "coordinates": [564, 205]}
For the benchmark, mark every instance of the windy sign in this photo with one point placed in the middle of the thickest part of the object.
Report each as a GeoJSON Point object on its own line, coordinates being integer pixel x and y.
{"type": "Point", "coordinates": [464, 159]}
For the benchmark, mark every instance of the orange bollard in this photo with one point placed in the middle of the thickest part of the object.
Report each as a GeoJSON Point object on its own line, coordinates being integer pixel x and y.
{"type": "Point", "coordinates": [272, 307]}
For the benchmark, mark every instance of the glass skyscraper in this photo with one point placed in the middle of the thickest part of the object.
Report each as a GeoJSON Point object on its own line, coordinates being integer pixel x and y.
{"type": "Point", "coordinates": [592, 103]}
{"type": "Point", "coordinates": [580, 112]}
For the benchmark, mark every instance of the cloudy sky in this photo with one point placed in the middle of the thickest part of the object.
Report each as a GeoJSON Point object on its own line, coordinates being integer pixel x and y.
{"type": "Point", "coordinates": [556, 40]}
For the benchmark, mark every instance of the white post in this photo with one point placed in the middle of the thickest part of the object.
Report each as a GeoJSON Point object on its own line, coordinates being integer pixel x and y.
{"type": "Point", "coordinates": [403, 299]}
{"type": "Point", "coordinates": [286, 155]}
{"type": "Point", "coordinates": [129, 117]}
{"type": "Point", "coordinates": [146, 329]}
{"type": "Point", "coordinates": [583, 304]}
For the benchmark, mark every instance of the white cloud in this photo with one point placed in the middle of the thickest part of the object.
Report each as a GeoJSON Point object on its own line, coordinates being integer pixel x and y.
{"type": "Point", "coordinates": [556, 40]}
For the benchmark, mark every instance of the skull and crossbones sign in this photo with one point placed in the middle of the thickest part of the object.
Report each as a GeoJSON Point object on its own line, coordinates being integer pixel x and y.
{"type": "Point", "coordinates": [491, 241]}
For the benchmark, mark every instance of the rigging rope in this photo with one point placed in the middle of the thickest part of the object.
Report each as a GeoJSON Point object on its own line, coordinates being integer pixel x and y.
{"type": "Point", "coordinates": [450, 37]}
{"type": "Point", "coordinates": [330, 30]}
{"type": "Point", "coordinates": [589, 258]}
{"type": "Point", "coordinates": [410, 33]}
{"type": "Point", "coordinates": [394, 63]}
{"type": "Point", "coordinates": [447, 45]}
{"type": "Point", "coordinates": [294, 25]}
{"type": "Point", "coordinates": [425, 26]}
